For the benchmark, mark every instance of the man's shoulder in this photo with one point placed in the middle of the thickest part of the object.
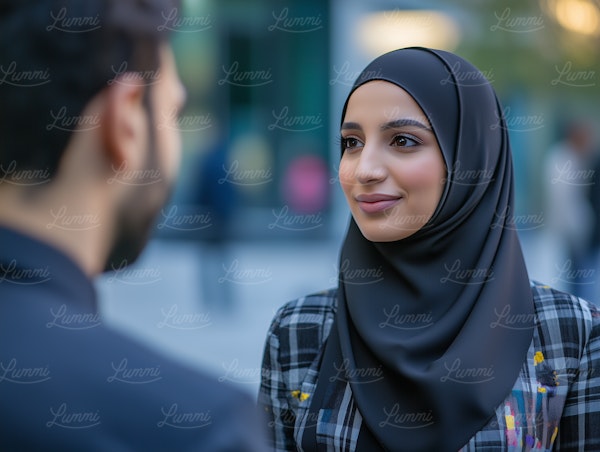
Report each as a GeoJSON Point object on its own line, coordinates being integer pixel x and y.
{"type": "Point", "coordinates": [97, 380]}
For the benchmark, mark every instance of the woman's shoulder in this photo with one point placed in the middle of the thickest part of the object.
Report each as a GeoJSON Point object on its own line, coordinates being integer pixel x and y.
{"type": "Point", "coordinates": [570, 313]}
{"type": "Point", "coordinates": [299, 331]}
{"type": "Point", "coordinates": [551, 302]}
{"type": "Point", "coordinates": [314, 309]}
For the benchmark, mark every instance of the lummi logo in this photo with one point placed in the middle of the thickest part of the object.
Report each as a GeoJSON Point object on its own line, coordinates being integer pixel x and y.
{"type": "Point", "coordinates": [513, 321]}
{"type": "Point", "coordinates": [570, 77]}
{"type": "Point", "coordinates": [72, 321]}
{"type": "Point", "coordinates": [13, 76]}
{"type": "Point", "coordinates": [173, 21]}
{"type": "Point", "coordinates": [295, 123]}
{"type": "Point", "coordinates": [174, 418]}
{"type": "Point", "coordinates": [236, 175]}
{"type": "Point", "coordinates": [125, 373]}
{"type": "Point", "coordinates": [359, 276]}
{"type": "Point", "coordinates": [356, 375]}
{"type": "Point", "coordinates": [235, 373]}
{"type": "Point", "coordinates": [345, 75]}
{"type": "Point", "coordinates": [185, 222]}
{"type": "Point", "coordinates": [507, 21]}
{"type": "Point", "coordinates": [235, 76]}
{"type": "Point", "coordinates": [395, 318]}
{"type": "Point", "coordinates": [458, 373]}
{"type": "Point", "coordinates": [285, 219]}
{"type": "Point", "coordinates": [126, 176]}
{"type": "Point", "coordinates": [13, 373]}
{"type": "Point", "coordinates": [468, 276]}
{"type": "Point", "coordinates": [67, 221]}
{"type": "Point", "coordinates": [523, 222]}
{"type": "Point", "coordinates": [72, 123]}
{"type": "Point", "coordinates": [176, 320]}
{"type": "Point", "coordinates": [133, 275]}
{"type": "Point", "coordinates": [397, 418]}
{"type": "Point", "coordinates": [467, 76]}
{"type": "Point", "coordinates": [23, 177]}
{"type": "Point", "coordinates": [571, 274]}
{"type": "Point", "coordinates": [73, 24]}
{"type": "Point", "coordinates": [64, 418]}
{"type": "Point", "coordinates": [236, 274]}
{"type": "Point", "coordinates": [517, 123]}
{"type": "Point", "coordinates": [299, 24]}
{"type": "Point", "coordinates": [12, 273]}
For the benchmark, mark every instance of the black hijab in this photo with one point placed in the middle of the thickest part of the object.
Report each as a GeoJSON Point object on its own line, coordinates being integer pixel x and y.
{"type": "Point", "coordinates": [432, 330]}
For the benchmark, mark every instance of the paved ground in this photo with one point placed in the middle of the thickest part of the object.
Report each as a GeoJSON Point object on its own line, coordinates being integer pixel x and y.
{"type": "Point", "coordinates": [212, 307]}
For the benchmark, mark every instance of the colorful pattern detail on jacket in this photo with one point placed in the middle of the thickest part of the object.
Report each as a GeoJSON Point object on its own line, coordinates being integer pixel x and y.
{"type": "Point", "coordinates": [531, 414]}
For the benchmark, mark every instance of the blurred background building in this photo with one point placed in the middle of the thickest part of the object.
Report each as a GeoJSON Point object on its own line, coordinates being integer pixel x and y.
{"type": "Point", "coordinates": [257, 217]}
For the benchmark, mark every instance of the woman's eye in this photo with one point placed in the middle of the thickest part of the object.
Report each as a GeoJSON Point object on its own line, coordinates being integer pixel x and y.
{"type": "Point", "coordinates": [350, 143]}
{"type": "Point", "coordinates": [404, 141]}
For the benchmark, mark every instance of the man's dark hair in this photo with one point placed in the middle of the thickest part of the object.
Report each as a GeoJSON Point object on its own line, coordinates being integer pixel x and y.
{"type": "Point", "coordinates": [55, 56]}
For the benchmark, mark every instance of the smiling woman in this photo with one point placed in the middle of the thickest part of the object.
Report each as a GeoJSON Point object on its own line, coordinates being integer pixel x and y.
{"type": "Point", "coordinates": [447, 316]}
{"type": "Point", "coordinates": [392, 170]}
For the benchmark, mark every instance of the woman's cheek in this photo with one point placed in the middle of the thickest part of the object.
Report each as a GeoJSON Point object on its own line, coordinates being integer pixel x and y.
{"type": "Point", "coordinates": [346, 173]}
{"type": "Point", "coordinates": [421, 173]}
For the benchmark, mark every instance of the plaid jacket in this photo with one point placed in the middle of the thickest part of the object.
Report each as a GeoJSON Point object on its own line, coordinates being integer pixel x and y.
{"type": "Point", "coordinates": [554, 404]}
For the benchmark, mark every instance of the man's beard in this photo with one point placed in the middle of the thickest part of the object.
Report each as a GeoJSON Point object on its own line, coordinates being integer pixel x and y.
{"type": "Point", "coordinates": [132, 234]}
{"type": "Point", "coordinates": [134, 223]}
{"type": "Point", "coordinates": [136, 215]}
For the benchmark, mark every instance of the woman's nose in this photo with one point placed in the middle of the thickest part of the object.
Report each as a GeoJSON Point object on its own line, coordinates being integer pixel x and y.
{"type": "Point", "coordinates": [370, 168]}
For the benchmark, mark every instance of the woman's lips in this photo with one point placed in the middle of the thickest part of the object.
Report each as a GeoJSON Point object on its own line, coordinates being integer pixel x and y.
{"type": "Point", "coordinates": [375, 203]}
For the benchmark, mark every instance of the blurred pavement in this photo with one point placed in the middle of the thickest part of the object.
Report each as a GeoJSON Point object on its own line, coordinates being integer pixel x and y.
{"type": "Point", "coordinates": [163, 299]}
{"type": "Point", "coordinates": [175, 297]}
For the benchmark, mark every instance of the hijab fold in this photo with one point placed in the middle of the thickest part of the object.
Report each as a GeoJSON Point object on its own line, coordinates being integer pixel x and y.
{"type": "Point", "coordinates": [431, 317]}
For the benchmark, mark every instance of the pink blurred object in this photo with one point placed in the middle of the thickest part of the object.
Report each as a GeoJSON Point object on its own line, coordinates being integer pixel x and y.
{"type": "Point", "coordinates": [305, 185]}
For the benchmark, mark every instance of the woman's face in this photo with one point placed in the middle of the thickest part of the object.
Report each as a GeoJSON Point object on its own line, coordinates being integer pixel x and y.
{"type": "Point", "coordinates": [392, 170]}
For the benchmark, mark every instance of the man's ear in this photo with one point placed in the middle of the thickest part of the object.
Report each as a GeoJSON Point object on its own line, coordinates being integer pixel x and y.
{"type": "Point", "coordinates": [125, 122]}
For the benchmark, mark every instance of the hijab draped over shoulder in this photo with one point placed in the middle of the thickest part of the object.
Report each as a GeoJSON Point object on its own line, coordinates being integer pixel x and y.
{"type": "Point", "coordinates": [432, 330]}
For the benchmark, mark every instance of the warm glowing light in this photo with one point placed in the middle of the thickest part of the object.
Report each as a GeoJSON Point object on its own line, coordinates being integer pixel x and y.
{"type": "Point", "coordinates": [388, 30]}
{"type": "Point", "coordinates": [580, 16]}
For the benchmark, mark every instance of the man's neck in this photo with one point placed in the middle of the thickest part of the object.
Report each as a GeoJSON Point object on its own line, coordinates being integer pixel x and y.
{"type": "Point", "coordinates": [73, 223]}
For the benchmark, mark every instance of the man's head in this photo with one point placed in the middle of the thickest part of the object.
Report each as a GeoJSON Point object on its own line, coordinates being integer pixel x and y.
{"type": "Point", "coordinates": [89, 93]}
{"type": "Point", "coordinates": [580, 136]}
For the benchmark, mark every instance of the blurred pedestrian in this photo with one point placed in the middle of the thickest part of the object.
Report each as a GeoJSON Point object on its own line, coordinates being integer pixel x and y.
{"type": "Point", "coordinates": [217, 196]}
{"type": "Point", "coordinates": [569, 219]}
{"type": "Point", "coordinates": [435, 338]}
{"type": "Point", "coordinates": [594, 249]}
{"type": "Point", "coordinates": [85, 169]}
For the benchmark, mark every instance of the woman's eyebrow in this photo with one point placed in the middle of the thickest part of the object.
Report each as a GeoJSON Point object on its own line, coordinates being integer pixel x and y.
{"type": "Point", "coordinates": [397, 123]}
{"type": "Point", "coordinates": [351, 126]}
